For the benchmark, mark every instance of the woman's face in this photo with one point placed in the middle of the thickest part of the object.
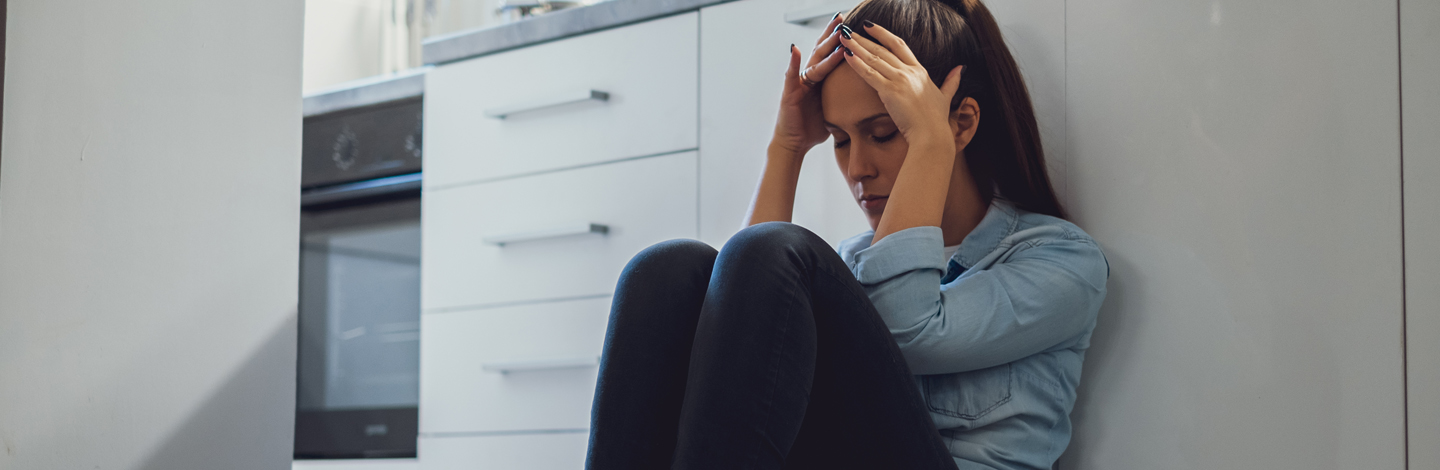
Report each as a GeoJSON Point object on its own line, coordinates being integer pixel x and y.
{"type": "Point", "coordinates": [868, 146]}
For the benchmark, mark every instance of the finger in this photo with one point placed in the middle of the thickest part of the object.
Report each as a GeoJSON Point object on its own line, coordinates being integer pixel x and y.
{"type": "Point", "coordinates": [819, 71]}
{"type": "Point", "coordinates": [792, 73]}
{"type": "Point", "coordinates": [871, 53]}
{"type": "Point", "coordinates": [834, 21]}
{"type": "Point", "coordinates": [825, 47]}
{"type": "Point", "coordinates": [865, 71]}
{"type": "Point", "coordinates": [952, 82]}
{"type": "Point", "coordinates": [892, 43]}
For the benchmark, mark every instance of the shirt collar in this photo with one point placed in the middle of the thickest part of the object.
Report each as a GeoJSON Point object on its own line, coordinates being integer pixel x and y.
{"type": "Point", "coordinates": [999, 222]}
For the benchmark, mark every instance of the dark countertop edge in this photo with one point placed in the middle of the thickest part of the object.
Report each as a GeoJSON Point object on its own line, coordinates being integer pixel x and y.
{"type": "Point", "coordinates": [366, 91]}
{"type": "Point", "coordinates": [552, 26]}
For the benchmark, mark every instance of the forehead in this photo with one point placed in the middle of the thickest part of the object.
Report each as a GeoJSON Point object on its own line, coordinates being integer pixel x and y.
{"type": "Point", "coordinates": [845, 98]}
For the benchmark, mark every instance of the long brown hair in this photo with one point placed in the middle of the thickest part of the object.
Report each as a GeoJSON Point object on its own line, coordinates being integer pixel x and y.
{"type": "Point", "coordinates": [1005, 157]}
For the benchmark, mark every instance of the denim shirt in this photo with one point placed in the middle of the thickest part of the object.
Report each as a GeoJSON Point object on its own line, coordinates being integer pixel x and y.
{"type": "Point", "coordinates": [996, 334]}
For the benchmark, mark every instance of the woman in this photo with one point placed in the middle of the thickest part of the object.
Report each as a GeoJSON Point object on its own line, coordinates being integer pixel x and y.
{"type": "Point", "coordinates": [950, 335]}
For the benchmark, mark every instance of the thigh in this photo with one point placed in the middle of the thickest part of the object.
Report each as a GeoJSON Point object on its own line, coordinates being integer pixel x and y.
{"type": "Point", "coordinates": [793, 367]}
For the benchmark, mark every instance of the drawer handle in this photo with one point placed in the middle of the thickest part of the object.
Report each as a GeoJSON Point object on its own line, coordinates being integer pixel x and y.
{"type": "Point", "coordinates": [548, 102]}
{"type": "Point", "coordinates": [811, 16]}
{"type": "Point", "coordinates": [505, 367]}
{"type": "Point", "coordinates": [565, 231]}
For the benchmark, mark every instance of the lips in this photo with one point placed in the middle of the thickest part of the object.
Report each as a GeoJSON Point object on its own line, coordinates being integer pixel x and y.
{"type": "Point", "coordinates": [871, 202]}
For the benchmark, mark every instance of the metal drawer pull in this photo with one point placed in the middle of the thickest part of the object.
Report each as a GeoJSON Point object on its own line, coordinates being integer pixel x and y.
{"type": "Point", "coordinates": [566, 231]}
{"type": "Point", "coordinates": [542, 103]}
{"type": "Point", "coordinates": [812, 16]}
{"type": "Point", "coordinates": [506, 367]}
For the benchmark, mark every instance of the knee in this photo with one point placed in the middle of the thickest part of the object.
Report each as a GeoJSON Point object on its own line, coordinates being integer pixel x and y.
{"type": "Point", "coordinates": [668, 262]}
{"type": "Point", "coordinates": [773, 241]}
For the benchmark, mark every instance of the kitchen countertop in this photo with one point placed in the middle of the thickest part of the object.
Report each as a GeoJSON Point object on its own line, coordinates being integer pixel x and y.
{"type": "Point", "coordinates": [551, 26]}
{"type": "Point", "coordinates": [366, 91]}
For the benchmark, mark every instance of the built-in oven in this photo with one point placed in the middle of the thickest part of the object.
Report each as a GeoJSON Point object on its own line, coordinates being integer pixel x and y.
{"type": "Point", "coordinates": [359, 354]}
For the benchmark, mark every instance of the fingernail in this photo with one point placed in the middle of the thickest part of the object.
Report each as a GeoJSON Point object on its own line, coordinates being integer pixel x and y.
{"type": "Point", "coordinates": [847, 51]}
{"type": "Point", "coordinates": [845, 31]}
{"type": "Point", "coordinates": [867, 23]}
{"type": "Point", "coordinates": [837, 15]}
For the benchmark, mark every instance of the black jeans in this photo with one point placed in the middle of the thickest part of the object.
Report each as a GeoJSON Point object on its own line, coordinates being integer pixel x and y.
{"type": "Point", "coordinates": [767, 354]}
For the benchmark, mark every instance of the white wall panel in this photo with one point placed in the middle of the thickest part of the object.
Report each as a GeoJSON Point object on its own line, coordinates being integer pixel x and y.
{"type": "Point", "coordinates": [1239, 162]}
{"type": "Point", "coordinates": [1420, 103]}
{"type": "Point", "coordinates": [149, 247]}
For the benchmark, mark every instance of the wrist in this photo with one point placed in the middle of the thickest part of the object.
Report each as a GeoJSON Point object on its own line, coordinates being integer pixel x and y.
{"type": "Point", "coordinates": [780, 153]}
{"type": "Point", "coordinates": [937, 139]}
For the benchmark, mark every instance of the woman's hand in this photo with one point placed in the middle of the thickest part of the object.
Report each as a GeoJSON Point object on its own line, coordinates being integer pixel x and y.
{"type": "Point", "coordinates": [799, 128]}
{"type": "Point", "coordinates": [921, 111]}
{"type": "Point", "coordinates": [800, 125]}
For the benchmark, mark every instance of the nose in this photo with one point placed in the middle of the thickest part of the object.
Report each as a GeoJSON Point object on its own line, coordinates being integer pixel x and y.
{"type": "Point", "coordinates": [860, 163]}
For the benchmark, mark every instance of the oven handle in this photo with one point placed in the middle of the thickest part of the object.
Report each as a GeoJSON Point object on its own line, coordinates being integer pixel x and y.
{"type": "Point", "coordinates": [362, 189]}
{"type": "Point", "coordinates": [556, 232]}
{"type": "Point", "coordinates": [551, 101]}
{"type": "Point", "coordinates": [506, 367]}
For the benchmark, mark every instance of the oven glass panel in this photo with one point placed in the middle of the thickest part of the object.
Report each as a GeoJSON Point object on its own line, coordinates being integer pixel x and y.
{"type": "Point", "coordinates": [359, 356]}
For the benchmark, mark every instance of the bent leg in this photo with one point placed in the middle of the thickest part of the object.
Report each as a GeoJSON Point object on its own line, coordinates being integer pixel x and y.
{"type": "Point", "coordinates": [646, 356]}
{"type": "Point", "coordinates": [793, 367]}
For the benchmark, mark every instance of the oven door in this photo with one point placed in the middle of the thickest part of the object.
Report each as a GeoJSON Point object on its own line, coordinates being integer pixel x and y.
{"type": "Point", "coordinates": [359, 354]}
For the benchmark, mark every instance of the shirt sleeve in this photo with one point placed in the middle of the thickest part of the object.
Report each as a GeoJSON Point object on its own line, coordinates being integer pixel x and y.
{"type": "Point", "coordinates": [1043, 293]}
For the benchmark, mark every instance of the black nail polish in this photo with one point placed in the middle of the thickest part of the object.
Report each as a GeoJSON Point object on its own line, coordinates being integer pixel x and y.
{"type": "Point", "coordinates": [845, 31]}
{"type": "Point", "coordinates": [837, 15]}
{"type": "Point", "coordinates": [867, 23]}
{"type": "Point", "coordinates": [847, 51]}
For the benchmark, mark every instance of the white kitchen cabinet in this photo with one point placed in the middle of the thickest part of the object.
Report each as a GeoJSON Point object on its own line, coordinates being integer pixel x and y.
{"type": "Point", "coordinates": [1239, 163]}
{"type": "Point", "coordinates": [641, 202]}
{"type": "Point", "coordinates": [647, 70]}
{"type": "Point", "coordinates": [740, 80]}
{"type": "Point", "coordinates": [522, 368]}
{"type": "Point", "coordinates": [539, 451]}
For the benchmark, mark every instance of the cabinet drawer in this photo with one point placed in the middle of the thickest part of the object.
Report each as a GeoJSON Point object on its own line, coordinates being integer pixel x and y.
{"type": "Point", "coordinates": [526, 367]}
{"type": "Point", "coordinates": [641, 202]}
{"type": "Point", "coordinates": [560, 451]}
{"type": "Point", "coordinates": [648, 71]}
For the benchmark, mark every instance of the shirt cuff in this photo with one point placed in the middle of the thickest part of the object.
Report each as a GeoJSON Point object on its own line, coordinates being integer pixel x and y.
{"type": "Point", "coordinates": [901, 252]}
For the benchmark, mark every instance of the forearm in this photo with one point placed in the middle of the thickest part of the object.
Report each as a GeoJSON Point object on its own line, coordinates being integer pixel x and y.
{"type": "Point", "coordinates": [774, 199]}
{"type": "Point", "coordinates": [921, 186]}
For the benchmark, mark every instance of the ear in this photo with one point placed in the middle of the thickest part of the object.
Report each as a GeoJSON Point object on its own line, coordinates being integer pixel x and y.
{"type": "Point", "coordinates": [964, 120]}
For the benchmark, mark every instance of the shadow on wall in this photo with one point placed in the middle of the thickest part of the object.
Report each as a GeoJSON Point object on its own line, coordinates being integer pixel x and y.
{"type": "Point", "coordinates": [1115, 333]}
{"type": "Point", "coordinates": [227, 432]}
{"type": "Point", "coordinates": [1180, 352]}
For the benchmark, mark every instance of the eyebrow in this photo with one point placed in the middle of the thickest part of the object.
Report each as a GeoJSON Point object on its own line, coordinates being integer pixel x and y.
{"type": "Point", "coordinates": [861, 122]}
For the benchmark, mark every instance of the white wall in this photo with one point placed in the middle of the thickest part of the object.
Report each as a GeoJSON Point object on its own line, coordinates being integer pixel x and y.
{"type": "Point", "coordinates": [148, 246]}
{"type": "Point", "coordinates": [1240, 164]}
{"type": "Point", "coordinates": [352, 39]}
{"type": "Point", "coordinates": [1420, 101]}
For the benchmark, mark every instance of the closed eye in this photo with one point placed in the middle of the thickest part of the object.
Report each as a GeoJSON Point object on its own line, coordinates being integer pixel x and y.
{"type": "Point", "coordinates": [877, 139]}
